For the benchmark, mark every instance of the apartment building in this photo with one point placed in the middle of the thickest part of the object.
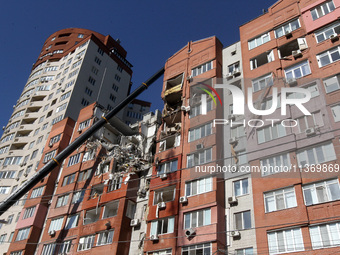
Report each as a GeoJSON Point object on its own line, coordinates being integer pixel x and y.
{"type": "Point", "coordinates": [135, 110]}
{"type": "Point", "coordinates": [88, 205]}
{"type": "Point", "coordinates": [186, 208]}
{"type": "Point", "coordinates": [75, 68]}
{"type": "Point", "coordinates": [240, 223]}
{"type": "Point", "coordinates": [294, 44]}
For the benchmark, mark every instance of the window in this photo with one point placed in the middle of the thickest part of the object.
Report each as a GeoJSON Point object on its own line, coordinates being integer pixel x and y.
{"type": "Point", "coordinates": [69, 179]}
{"type": "Point", "coordinates": [48, 249]}
{"type": "Point", "coordinates": [234, 68]}
{"type": "Point", "coordinates": [198, 249]}
{"type": "Point", "coordinates": [54, 139]}
{"type": "Point", "coordinates": [332, 83]}
{"type": "Point", "coordinates": [13, 160]}
{"type": "Point", "coordinates": [163, 226]}
{"type": "Point", "coordinates": [322, 10]}
{"type": "Point", "coordinates": [10, 219]}
{"type": "Point", "coordinates": [199, 186]}
{"type": "Point", "coordinates": [262, 59]}
{"type": "Point", "coordinates": [7, 174]}
{"type": "Point", "coordinates": [110, 209]}
{"type": "Point", "coordinates": [200, 157]}
{"type": "Point", "coordinates": [240, 157]}
{"type": "Point", "coordinates": [23, 234]}
{"type": "Point", "coordinates": [84, 175]}
{"type": "Point", "coordinates": [262, 82]}
{"type": "Point", "coordinates": [197, 218]}
{"type": "Point", "coordinates": [84, 102]}
{"type": "Point", "coordinates": [91, 216]}
{"type": "Point", "coordinates": [309, 121]}
{"type": "Point", "coordinates": [112, 97]}
{"type": "Point", "coordinates": [321, 192]}
{"type": "Point", "coordinates": [237, 131]}
{"type": "Point", "coordinates": [49, 155]}
{"type": "Point", "coordinates": [29, 212]}
{"type": "Point", "coordinates": [289, 240]}
{"type": "Point", "coordinates": [270, 133]}
{"type": "Point", "coordinates": [115, 184]}
{"type": "Point", "coordinates": [316, 155]}
{"type": "Point", "coordinates": [313, 89]}
{"type": "Point", "coordinates": [84, 124]}
{"type": "Point", "coordinates": [164, 195]}
{"type": "Point", "coordinates": [328, 57]}
{"type": "Point", "coordinates": [259, 41]}
{"type": "Point", "coordinates": [200, 132]}
{"type": "Point", "coordinates": [78, 63]}
{"type": "Point", "coordinates": [161, 252]}
{"type": "Point", "coordinates": [130, 209]}
{"type": "Point", "coordinates": [115, 87]}
{"type": "Point", "coordinates": [88, 91]}
{"type": "Point", "coordinates": [74, 159]}
{"type": "Point", "coordinates": [2, 238]}
{"type": "Point", "coordinates": [92, 80]}
{"type": "Point", "coordinates": [117, 77]}
{"type": "Point", "coordinates": [86, 242]}
{"type": "Point", "coordinates": [241, 187]}
{"type": "Point", "coordinates": [119, 68]}
{"type": "Point", "coordinates": [105, 237]}
{"type": "Point", "coordinates": [61, 107]}
{"type": "Point", "coordinates": [16, 253]}
{"type": "Point", "coordinates": [297, 71]}
{"type": "Point", "coordinates": [287, 28]}
{"type": "Point", "coordinates": [54, 121]}
{"type": "Point", "coordinates": [62, 200]}
{"type": "Point", "coordinates": [242, 220]}
{"type": "Point", "coordinates": [37, 192]}
{"type": "Point", "coordinates": [275, 164]}
{"type": "Point", "coordinates": [78, 197]}
{"type": "Point", "coordinates": [11, 237]}
{"type": "Point", "coordinates": [65, 96]}
{"type": "Point", "coordinates": [202, 69]}
{"type": "Point", "coordinates": [72, 221]}
{"type": "Point", "coordinates": [325, 235]}
{"type": "Point", "coordinates": [97, 60]}
{"type": "Point", "coordinates": [100, 51]}
{"type": "Point", "coordinates": [56, 224]}
{"type": "Point", "coordinates": [167, 167]}
{"type": "Point", "coordinates": [336, 112]}
{"type": "Point", "coordinates": [94, 70]}
{"type": "Point", "coordinates": [89, 155]}
{"type": "Point", "coordinates": [245, 251]}
{"type": "Point", "coordinates": [197, 107]}
{"type": "Point", "coordinates": [326, 32]}
{"type": "Point", "coordinates": [64, 247]}
{"type": "Point", "coordinates": [280, 199]}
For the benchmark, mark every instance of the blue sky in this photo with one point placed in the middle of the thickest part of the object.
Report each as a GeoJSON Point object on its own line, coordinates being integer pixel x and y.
{"type": "Point", "coordinates": [150, 31]}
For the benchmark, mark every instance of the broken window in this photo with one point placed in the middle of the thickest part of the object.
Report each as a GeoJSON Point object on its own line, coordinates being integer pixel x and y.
{"type": "Point", "coordinates": [91, 216]}
{"type": "Point", "coordinates": [115, 184]}
{"type": "Point", "coordinates": [170, 142]}
{"type": "Point", "coordinates": [262, 59]}
{"type": "Point", "coordinates": [164, 195]}
{"type": "Point", "coordinates": [97, 190]}
{"type": "Point", "coordinates": [110, 209]}
{"type": "Point", "coordinates": [102, 169]}
{"type": "Point", "coordinates": [292, 48]}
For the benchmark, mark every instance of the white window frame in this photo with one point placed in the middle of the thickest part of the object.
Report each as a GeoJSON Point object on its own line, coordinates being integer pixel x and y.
{"type": "Point", "coordinates": [202, 186]}
{"type": "Point", "coordinates": [86, 242]}
{"type": "Point", "coordinates": [325, 8]}
{"type": "Point", "coordinates": [56, 224]}
{"type": "Point", "coordinates": [259, 40]}
{"type": "Point", "coordinates": [62, 200]}
{"type": "Point", "coordinates": [314, 189]}
{"type": "Point", "coordinates": [335, 51]}
{"type": "Point", "coordinates": [191, 219]}
{"type": "Point", "coordinates": [262, 82]}
{"type": "Point", "coordinates": [295, 242]}
{"type": "Point", "coordinates": [275, 131]}
{"type": "Point", "coordinates": [105, 237]}
{"type": "Point", "coordinates": [318, 235]}
{"type": "Point", "coordinates": [200, 132]}
{"type": "Point", "coordinates": [297, 71]}
{"type": "Point", "coordinates": [157, 226]}
{"type": "Point", "coordinates": [280, 195]}
{"type": "Point", "coordinates": [286, 28]}
{"type": "Point", "coordinates": [29, 212]}
{"type": "Point", "coordinates": [193, 248]}
{"type": "Point", "coordinates": [324, 33]}
{"type": "Point", "coordinates": [199, 157]}
{"type": "Point", "coordinates": [241, 185]}
{"type": "Point", "coordinates": [304, 156]}
{"type": "Point", "coordinates": [72, 221]}
{"type": "Point", "coordinates": [332, 83]}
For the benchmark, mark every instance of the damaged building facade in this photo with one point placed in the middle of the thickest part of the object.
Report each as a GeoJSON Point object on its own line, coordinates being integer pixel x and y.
{"type": "Point", "coordinates": [89, 204]}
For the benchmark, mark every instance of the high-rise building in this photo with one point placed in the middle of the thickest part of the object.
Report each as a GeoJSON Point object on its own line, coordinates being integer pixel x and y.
{"type": "Point", "coordinates": [295, 44]}
{"type": "Point", "coordinates": [75, 68]}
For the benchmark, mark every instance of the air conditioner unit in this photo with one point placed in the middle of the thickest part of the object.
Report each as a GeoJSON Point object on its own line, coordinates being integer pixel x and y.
{"type": "Point", "coordinates": [310, 131]}
{"type": "Point", "coordinates": [288, 33]}
{"type": "Point", "coordinates": [189, 78]}
{"type": "Point", "coordinates": [134, 222]}
{"type": "Point", "coordinates": [232, 200]}
{"type": "Point", "coordinates": [232, 140]}
{"type": "Point", "coordinates": [199, 146]}
{"type": "Point", "coordinates": [63, 90]}
{"type": "Point", "coordinates": [235, 233]}
{"type": "Point", "coordinates": [154, 238]}
{"type": "Point", "coordinates": [231, 117]}
{"type": "Point", "coordinates": [161, 205]}
{"type": "Point", "coordinates": [51, 233]}
{"type": "Point", "coordinates": [59, 83]}
{"type": "Point", "coordinates": [187, 108]}
{"type": "Point", "coordinates": [25, 174]}
{"type": "Point", "coordinates": [49, 201]}
{"type": "Point", "coordinates": [296, 53]}
{"type": "Point", "coordinates": [183, 200]}
{"type": "Point", "coordinates": [190, 232]}
{"type": "Point", "coordinates": [229, 75]}
{"type": "Point", "coordinates": [50, 145]}
{"type": "Point", "coordinates": [334, 37]}
{"type": "Point", "coordinates": [17, 178]}
{"type": "Point", "coordinates": [163, 176]}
